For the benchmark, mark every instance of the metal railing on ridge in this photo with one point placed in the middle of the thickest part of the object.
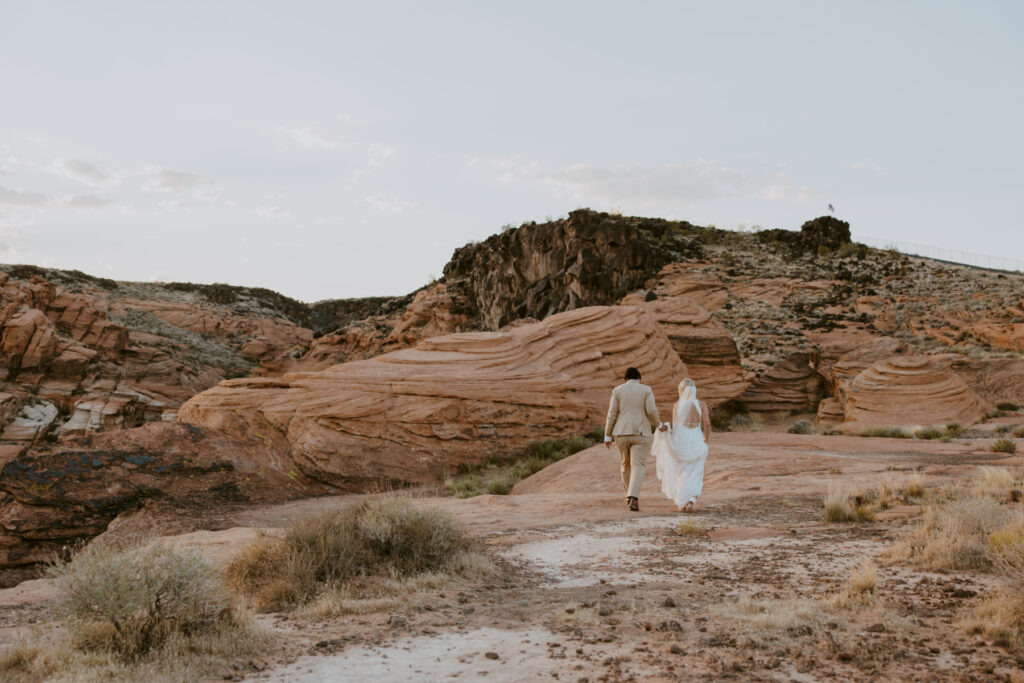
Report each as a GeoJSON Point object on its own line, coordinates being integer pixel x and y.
{"type": "Point", "coordinates": [948, 255]}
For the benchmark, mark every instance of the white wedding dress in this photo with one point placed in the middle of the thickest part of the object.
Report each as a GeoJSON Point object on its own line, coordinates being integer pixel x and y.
{"type": "Point", "coordinates": [680, 452]}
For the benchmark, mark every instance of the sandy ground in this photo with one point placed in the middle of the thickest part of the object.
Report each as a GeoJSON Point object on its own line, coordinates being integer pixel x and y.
{"type": "Point", "coordinates": [589, 591]}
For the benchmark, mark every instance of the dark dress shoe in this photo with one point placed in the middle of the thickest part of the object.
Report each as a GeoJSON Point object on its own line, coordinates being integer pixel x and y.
{"type": "Point", "coordinates": [634, 504]}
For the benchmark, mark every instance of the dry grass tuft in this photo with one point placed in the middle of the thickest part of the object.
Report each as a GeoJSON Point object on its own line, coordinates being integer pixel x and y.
{"type": "Point", "coordinates": [386, 539]}
{"type": "Point", "coordinates": [498, 475]}
{"type": "Point", "coordinates": [859, 588]}
{"type": "Point", "coordinates": [954, 534]}
{"type": "Point", "coordinates": [689, 528]}
{"type": "Point", "coordinates": [1008, 446]}
{"type": "Point", "coordinates": [773, 614]}
{"type": "Point", "coordinates": [996, 482]}
{"type": "Point", "coordinates": [843, 506]}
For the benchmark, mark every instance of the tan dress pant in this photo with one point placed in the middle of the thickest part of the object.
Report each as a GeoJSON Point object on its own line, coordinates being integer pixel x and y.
{"type": "Point", "coordinates": [633, 452]}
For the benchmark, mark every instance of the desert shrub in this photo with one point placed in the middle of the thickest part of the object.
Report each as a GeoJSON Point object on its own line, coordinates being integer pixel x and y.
{"type": "Point", "coordinates": [1004, 446]}
{"type": "Point", "coordinates": [1002, 429]}
{"type": "Point", "coordinates": [801, 427]}
{"type": "Point", "coordinates": [721, 421]}
{"type": "Point", "coordinates": [913, 487]}
{"type": "Point", "coordinates": [132, 601]}
{"type": "Point", "coordinates": [954, 429]}
{"type": "Point", "coordinates": [929, 433]}
{"type": "Point", "coordinates": [388, 538]}
{"type": "Point", "coordinates": [1018, 432]}
{"type": "Point", "coordinates": [995, 413]}
{"type": "Point", "coordinates": [843, 506]}
{"type": "Point", "coordinates": [1006, 405]}
{"type": "Point", "coordinates": [885, 432]}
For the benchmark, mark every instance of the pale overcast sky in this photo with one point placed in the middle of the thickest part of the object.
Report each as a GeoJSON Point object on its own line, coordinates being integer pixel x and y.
{"type": "Point", "coordinates": [341, 149]}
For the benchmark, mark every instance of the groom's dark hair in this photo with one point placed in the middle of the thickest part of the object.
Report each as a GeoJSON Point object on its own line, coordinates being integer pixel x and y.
{"type": "Point", "coordinates": [632, 373]}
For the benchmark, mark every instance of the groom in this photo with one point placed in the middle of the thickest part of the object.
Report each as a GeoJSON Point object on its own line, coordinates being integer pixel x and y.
{"type": "Point", "coordinates": [630, 415]}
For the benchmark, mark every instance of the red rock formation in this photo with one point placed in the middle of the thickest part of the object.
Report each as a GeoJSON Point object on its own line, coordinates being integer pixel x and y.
{"type": "Point", "coordinates": [703, 344]}
{"type": "Point", "coordinates": [792, 386]}
{"type": "Point", "coordinates": [910, 391]}
{"type": "Point", "coordinates": [408, 415]}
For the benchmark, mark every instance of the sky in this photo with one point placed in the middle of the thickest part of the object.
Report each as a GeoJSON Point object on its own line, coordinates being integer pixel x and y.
{"type": "Point", "coordinates": [345, 149]}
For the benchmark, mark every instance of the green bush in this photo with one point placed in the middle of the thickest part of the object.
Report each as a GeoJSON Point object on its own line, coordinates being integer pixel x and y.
{"type": "Point", "coordinates": [885, 432]}
{"type": "Point", "coordinates": [497, 476]}
{"type": "Point", "coordinates": [928, 433]}
{"type": "Point", "coordinates": [1006, 405]}
{"type": "Point", "coordinates": [955, 429]}
{"type": "Point", "coordinates": [131, 601]}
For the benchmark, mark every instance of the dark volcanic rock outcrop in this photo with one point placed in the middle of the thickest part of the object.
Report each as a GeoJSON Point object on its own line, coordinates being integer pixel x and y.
{"type": "Point", "coordinates": [587, 259]}
{"type": "Point", "coordinates": [59, 494]}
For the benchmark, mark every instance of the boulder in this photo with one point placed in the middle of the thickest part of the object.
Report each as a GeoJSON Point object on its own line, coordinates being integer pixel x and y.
{"type": "Point", "coordinates": [410, 415]}
{"type": "Point", "coordinates": [910, 391]}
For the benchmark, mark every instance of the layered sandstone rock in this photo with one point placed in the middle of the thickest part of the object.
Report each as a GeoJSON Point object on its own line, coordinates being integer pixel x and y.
{"type": "Point", "coordinates": [995, 380]}
{"type": "Point", "coordinates": [703, 344]}
{"type": "Point", "coordinates": [910, 391]}
{"type": "Point", "coordinates": [57, 495]}
{"type": "Point", "coordinates": [409, 415]}
{"type": "Point", "coordinates": [792, 386]}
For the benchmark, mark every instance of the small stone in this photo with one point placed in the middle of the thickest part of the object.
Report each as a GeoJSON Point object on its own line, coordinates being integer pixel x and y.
{"type": "Point", "coordinates": [676, 649]}
{"type": "Point", "coordinates": [876, 628]}
{"type": "Point", "coordinates": [604, 611]}
{"type": "Point", "coordinates": [491, 655]}
{"type": "Point", "coordinates": [669, 602]}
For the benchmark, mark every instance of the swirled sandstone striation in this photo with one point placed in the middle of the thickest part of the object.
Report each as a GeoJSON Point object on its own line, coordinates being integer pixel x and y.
{"type": "Point", "coordinates": [409, 415]}
{"type": "Point", "coordinates": [910, 391]}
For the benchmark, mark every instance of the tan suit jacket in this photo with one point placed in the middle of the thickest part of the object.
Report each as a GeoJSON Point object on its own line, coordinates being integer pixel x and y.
{"type": "Point", "coordinates": [632, 410]}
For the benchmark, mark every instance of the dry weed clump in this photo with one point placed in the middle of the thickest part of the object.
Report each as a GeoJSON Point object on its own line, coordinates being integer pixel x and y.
{"type": "Point", "coordinates": [885, 432]}
{"type": "Point", "coordinates": [954, 534]}
{"type": "Point", "coordinates": [844, 506]}
{"type": "Point", "coordinates": [859, 588]}
{"type": "Point", "coordinates": [143, 613]}
{"type": "Point", "coordinates": [382, 539]}
{"type": "Point", "coordinates": [996, 482]}
{"type": "Point", "coordinates": [497, 476]}
{"type": "Point", "coordinates": [1008, 446]}
{"type": "Point", "coordinates": [689, 528]}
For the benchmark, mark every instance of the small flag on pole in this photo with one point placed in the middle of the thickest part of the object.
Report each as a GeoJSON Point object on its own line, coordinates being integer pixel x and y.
{"type": "Point", "coordinates": [831, 208]}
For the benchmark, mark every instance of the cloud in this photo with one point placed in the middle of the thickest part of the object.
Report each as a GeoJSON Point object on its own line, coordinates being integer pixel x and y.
{"type": "Point", "coordinates": [86, 201]}
{"type": "Point", "coordinates": [310, 135]}
{"type": "Point", "coordinates": [21, 198]}
{"type": "Point", "coordinates": [379, 154]}
{"type": "Point", "coordinates": [644, 187]}
{"type": "Point", "coordinates": [865, 166]}
{"type": "Point", "coordinates": [388, 203]}
{"type": "Point", "coordinates": [269, 212]}
{"type": "Point", "coordinates": [164, 180]}
{"type": "Point", "coordinates": [84, 172]}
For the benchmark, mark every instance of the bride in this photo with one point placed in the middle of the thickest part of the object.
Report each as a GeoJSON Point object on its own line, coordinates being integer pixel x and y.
{"type": "Point", "coordinates": [680, 451]}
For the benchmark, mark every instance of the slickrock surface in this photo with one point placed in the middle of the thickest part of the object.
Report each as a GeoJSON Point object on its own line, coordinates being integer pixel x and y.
{"type": "Point", "coordinates": [909, 391]}
{"type": "Point", "coordinates": [408, 415]}
{"type": "Point", "coordinates": [63, 493]}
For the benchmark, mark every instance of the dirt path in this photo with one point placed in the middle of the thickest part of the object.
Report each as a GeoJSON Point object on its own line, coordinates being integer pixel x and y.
{"type": "Point", "coordinates": [588, 591]}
